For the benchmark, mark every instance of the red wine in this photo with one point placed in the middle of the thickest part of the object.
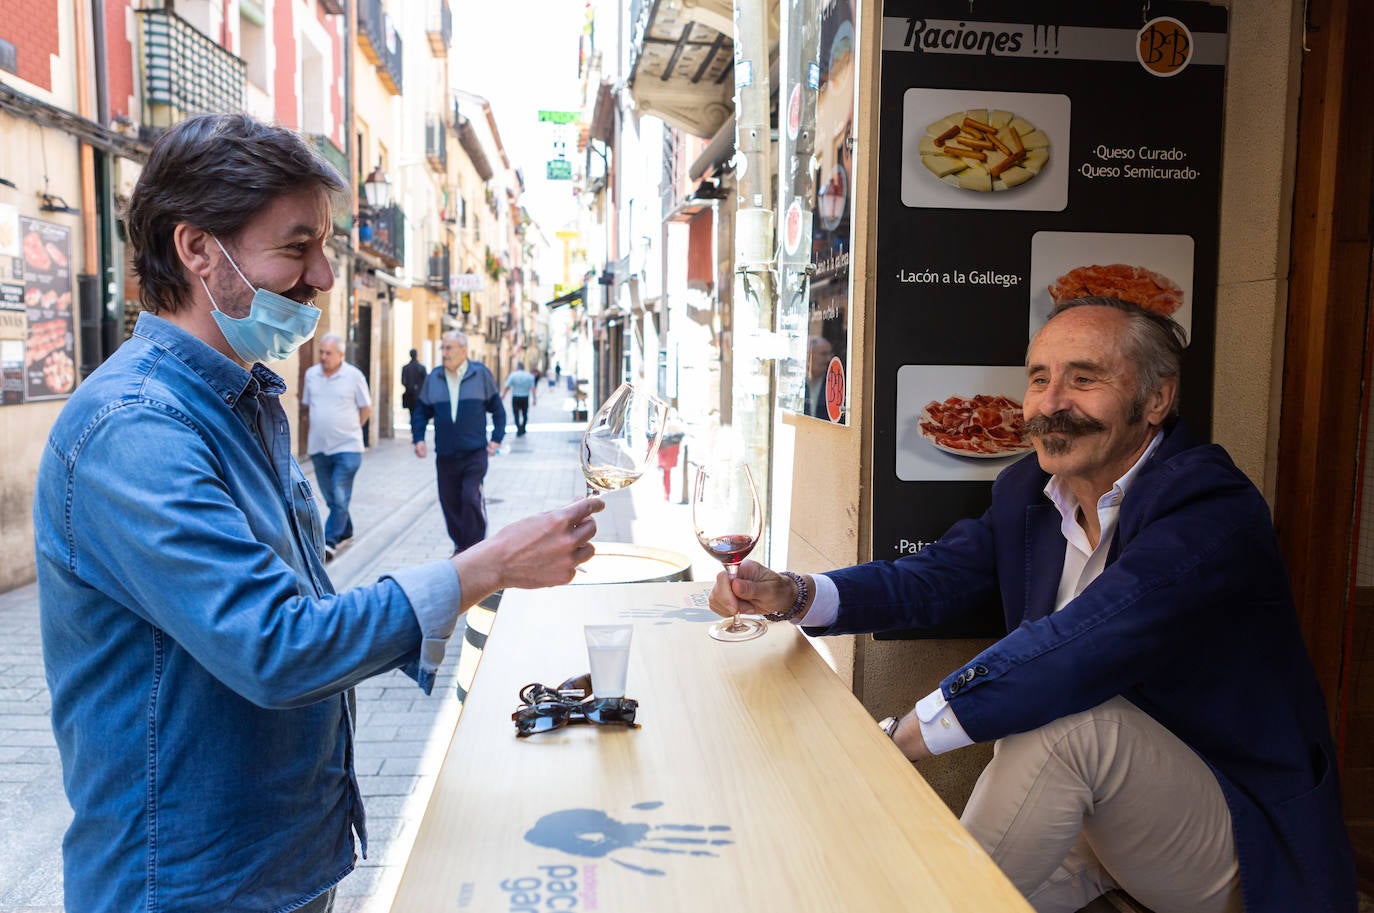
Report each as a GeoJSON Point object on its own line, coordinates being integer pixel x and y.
{"type": "Point", "coordinates": [728, 549]}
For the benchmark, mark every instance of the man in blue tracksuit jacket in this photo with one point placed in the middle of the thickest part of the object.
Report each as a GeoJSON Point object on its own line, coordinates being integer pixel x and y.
{"type": "Point", "coordinates": [457, 395]}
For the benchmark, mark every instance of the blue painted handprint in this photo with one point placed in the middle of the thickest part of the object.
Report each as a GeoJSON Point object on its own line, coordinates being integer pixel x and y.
{"type": "Point", "coordinates": [595, 834]}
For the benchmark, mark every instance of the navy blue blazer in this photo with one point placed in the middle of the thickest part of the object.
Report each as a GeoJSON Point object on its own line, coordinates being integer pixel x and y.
{"type": "Point", "coordinates": [1192, 620]}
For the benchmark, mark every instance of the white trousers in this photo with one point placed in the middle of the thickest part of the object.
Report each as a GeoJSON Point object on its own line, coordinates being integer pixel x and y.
{"type": "Point", "coordinates": [1103, 799]}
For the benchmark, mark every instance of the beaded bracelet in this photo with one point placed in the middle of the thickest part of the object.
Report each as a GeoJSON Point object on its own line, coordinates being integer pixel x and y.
{"type": "Point", "coordinates": [797, 604]}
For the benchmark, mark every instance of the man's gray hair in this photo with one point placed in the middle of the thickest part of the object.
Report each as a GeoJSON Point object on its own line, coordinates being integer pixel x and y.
{"type": "Point", "coordinates": [460, 338]}
{"type": "Point", "coordinates": [1153, 342]}
{"type": "Point", "coordinates": [334, 338]}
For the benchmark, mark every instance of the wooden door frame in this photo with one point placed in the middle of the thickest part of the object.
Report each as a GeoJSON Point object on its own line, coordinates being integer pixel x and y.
{"type": "Point", "coordinates": [1325, 336]}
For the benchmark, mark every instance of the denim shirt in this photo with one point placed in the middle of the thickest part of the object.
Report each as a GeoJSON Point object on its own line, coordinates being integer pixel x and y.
{"type": "Point", "coordinates": [199, 661]}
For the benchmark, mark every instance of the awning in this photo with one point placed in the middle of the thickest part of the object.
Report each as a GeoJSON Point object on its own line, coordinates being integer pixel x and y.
{"type": "Point", "coordinates": [574, 298]}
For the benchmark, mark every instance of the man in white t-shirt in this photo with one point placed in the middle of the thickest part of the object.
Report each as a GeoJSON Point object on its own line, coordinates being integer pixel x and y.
{"type": "Point", "coordinates": [336, 394]}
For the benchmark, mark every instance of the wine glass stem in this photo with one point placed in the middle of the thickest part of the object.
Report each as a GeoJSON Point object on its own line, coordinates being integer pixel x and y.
{"type": "Point", "coordinates": [592, 490]}
{"type": "Point", "coordinates": [732, 571]}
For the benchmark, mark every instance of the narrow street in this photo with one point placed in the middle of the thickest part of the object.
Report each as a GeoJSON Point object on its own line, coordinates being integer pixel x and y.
{"type": "Point", "coordinates": [402, 734]}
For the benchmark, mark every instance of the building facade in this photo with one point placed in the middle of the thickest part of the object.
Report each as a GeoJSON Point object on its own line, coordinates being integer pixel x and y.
{"type": "Point", "coordinates": [85, 89]}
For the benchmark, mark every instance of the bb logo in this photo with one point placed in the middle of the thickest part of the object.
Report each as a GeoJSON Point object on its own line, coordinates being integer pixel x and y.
{"type": "Point", "coordinates": [1164, 46]}
{"type": "Point", "coordinates": [834, 390]}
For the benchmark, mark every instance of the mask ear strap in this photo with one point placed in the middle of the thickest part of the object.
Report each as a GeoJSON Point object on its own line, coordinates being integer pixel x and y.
{"type": "Point", "coordinates": [234, 265]}
{"type": "Point", "coordinates": [207, 292]}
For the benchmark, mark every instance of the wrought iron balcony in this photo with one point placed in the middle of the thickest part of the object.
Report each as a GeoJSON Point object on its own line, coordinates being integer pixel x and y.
{"type": "Point", "coordinates": [184, 72]}
{"type": "Point", "coordinates": [436, 143]}
{"type": "Point", "coordinates": [439, 30]}
{"type": "Point", "coordinates": [343, 217]}
{"type": "Point", "coordinates": [437, 279]}
{"type": "Point", "coordinates": [383, 232]}
{"type": "Point", "coordinates": [380, 43]}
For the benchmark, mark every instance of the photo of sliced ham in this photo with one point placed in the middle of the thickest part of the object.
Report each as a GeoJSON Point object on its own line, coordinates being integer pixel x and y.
{"type": "Point", "coordinates": [1147, 288]}
{"type": "Point", "coordinates": [977, 426]}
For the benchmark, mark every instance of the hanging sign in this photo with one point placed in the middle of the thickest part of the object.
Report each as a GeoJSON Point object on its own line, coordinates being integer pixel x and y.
{"type": "Point", "coordinates": [1028, 154]}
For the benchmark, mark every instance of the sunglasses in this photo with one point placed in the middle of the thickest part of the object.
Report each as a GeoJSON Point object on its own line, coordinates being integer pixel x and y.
{"type": "Point", "coordinates": [544, 709]}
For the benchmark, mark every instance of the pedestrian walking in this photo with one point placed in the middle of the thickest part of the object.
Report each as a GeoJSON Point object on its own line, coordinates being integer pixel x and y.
{"type": "Point", "coordinates": [336, 395]}
{"type": "Point", "coordinates": [199, 661]}
{"type": "Point", "coordinates": [522, 387]}
{"type": "Point", "coordinates": [673, 433]}
{"type": "Point", "coordinates": [412, 378]}
{"type": "Point", "coordinates": [458, 395]}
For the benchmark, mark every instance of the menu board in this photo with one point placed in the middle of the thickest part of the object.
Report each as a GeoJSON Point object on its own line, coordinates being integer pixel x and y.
{"type": "Point", "coordinates": [1028, 154]}
{"type": "Point", "coordinates": [49, 356]}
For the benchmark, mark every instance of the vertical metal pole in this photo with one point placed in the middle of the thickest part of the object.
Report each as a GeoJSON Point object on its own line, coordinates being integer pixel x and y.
{"type": "Point", "coordinates": [755, 293]}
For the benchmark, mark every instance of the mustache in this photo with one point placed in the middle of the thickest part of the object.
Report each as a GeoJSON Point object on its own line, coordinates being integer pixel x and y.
{"type": "Point", "coordinates": [1063, 423]}
{"type": "Point", "coordinates": [302, 294]}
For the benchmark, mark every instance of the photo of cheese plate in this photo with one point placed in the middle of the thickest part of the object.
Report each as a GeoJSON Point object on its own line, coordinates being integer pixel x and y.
{"type": "Point", "coordinates": [977, 149]}
{"type": "Point", "coordinates": [983, 150]}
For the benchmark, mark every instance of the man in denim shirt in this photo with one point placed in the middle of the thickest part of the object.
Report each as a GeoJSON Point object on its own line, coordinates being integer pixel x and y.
{"type": "Point", "coordinates": [199, 660]}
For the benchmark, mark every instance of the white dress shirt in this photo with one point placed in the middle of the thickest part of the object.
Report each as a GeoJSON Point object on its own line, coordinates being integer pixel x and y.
{"type": "Point", "coordinates": [1082, 564]}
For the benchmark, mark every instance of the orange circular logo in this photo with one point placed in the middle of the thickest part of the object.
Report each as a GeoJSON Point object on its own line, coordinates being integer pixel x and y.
{"type": "Point", "coordinates": [834, 389]}
{"type": "Point", "coordinates": [1164, 46]}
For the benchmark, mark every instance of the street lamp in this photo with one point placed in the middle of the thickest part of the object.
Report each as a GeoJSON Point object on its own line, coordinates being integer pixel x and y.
{"type": "Point", "coordinates": [377, 189]}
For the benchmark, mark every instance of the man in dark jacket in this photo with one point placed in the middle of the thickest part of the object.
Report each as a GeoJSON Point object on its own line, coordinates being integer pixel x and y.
{"type": "Point", "coordinates": [1158, 723]}
{"type": "Point", "coordinates": [412, 378]}
{"type": "Point", "coordinates": [458, 395]}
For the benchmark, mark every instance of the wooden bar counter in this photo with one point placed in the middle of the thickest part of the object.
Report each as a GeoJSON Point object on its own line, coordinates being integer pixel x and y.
{"type": "Point", "coordinates": [757, 782]}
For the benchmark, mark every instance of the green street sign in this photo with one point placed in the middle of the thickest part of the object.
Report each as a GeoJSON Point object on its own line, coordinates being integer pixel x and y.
{"type": "Point", "coordinates": [559, 117]}
{"type": "Point", "coordinates": [559, 170]}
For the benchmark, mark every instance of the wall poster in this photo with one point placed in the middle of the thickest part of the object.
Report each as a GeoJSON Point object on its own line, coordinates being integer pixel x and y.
{"type": "Point", "coordinates": [50, 345]}
{"type": "Point", "coordinates": [816, 155]}
{"type": "Point", "coordinates": [1028, 154]}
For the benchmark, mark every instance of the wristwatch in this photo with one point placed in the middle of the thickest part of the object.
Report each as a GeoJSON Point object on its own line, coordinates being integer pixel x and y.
{"type": "Point", "coordinates": [889, 726]}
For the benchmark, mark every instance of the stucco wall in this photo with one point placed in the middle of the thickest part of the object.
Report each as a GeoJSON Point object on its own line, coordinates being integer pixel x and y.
{"type": "Point", "coordinates": [831, 508]}
{"type": "Point", "coordinates": [25, 433]}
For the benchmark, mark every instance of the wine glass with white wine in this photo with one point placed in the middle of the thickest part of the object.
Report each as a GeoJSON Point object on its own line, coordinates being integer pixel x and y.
{"type": "Point", "coordinates": [621, 440]}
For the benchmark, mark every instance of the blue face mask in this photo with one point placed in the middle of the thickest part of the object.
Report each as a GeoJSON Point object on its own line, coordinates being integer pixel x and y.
{"type": "Point", "coordinates": [275, 326]}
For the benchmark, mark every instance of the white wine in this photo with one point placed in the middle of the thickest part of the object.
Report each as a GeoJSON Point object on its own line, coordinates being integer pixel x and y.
{"type": "Point", "coordinates": [610, 478]}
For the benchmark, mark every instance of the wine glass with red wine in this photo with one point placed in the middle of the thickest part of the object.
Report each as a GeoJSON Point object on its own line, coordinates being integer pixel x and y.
{"type": "Point", "coordinates": [621, 441]}
{"type": "Point", "coordinates": [728, 521]}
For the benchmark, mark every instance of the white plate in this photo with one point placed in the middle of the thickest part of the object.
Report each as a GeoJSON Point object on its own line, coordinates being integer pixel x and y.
{"type": "Point", "coordinates": [925, 417]}
{"type": "Point", "coordinates": [978, 456]}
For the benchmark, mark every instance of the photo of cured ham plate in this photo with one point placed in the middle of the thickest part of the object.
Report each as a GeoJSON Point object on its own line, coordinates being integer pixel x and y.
{"type": "Point", "coordinates": [971, 149]}
{"type": "Point", "coordinates": [979, 427]}
{"type": "Point", "coordinates": [1153, 271]}
{"type": "Point", "coordinates": [958, 422]}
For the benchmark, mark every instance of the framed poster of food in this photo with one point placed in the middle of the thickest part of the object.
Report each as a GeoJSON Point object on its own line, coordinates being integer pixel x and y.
{"type": "Point", "coordinates": [50, 349]}
{"type": "Point", "coordinates": [1028, 154]}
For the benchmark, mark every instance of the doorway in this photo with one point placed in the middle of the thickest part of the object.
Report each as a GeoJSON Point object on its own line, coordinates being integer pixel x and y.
{"type": "Point", "coordinates": [1324, 498]}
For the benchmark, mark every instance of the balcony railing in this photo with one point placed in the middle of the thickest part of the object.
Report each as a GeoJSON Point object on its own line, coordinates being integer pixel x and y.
{"type": "Point", "coordinates": [436, 144]}
{"type": "Point", "coordinates": [371, 31]}
{"type": "Point", "coordinates": [343, 217]}
{"type": "Point", "coordinates": [184, 72]}
{"type": "Point", "coordinates": [383, 232]}
{"type": "Point", "coordinates": [439, 30]}
{"type": "Point", "coordinates": [380, 43]}
{"type": "Point", "coordinates": [437, 278]}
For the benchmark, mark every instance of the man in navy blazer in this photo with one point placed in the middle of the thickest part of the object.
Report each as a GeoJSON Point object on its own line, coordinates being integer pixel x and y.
{"type": "Point", "coordinates": [1158, 725]}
